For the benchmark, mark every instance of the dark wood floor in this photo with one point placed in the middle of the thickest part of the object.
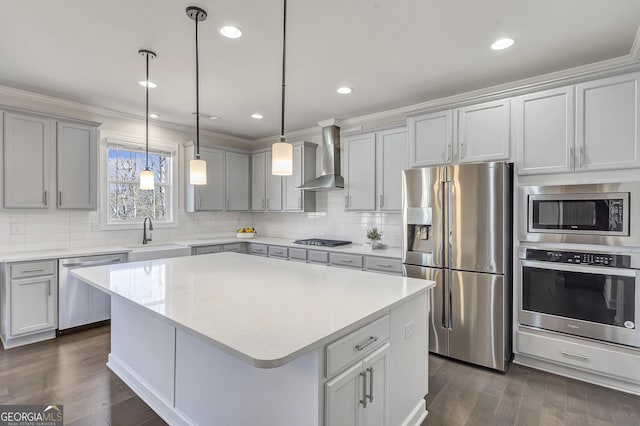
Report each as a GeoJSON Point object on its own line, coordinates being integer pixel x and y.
{"type": "Point", "coordinates": [71, 371]}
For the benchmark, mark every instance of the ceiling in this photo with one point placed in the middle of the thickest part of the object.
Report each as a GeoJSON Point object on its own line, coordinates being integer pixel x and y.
{"type": "Point", "coordinates": [392, 52]}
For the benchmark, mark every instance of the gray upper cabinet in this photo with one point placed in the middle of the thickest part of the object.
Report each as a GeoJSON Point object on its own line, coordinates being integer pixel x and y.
{"type": "Point", "coordinates": [484, 132]}
{"type": "Point", "coordinates": [274, 187]}
{"type": "Point", "coordinates": [237, 182]}
{"type": "Point", "coordinates": [76, 166]}
{"type": "Point", "coordinates": [431, 139]}
{"type": "Point", "coordinates": [360, 173]}
{"type": "Point", "coordinates": [304, 169]}
{"type": "Point", "coordinates": [209, 197]}
{"type": "Point", "coordinates": [258, 181]}
{"type": "Point", "coordinates": [27, 143]}
{"type": "Point", "coordinates": [391, 159]}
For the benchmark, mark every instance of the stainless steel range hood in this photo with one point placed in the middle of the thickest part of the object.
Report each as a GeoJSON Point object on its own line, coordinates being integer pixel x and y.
{"type": "Point", "coordinates": [330, 163]}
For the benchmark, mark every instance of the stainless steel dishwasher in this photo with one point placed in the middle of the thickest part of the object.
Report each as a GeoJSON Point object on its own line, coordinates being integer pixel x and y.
{"type": "Point", "coordinates": [80, 304]}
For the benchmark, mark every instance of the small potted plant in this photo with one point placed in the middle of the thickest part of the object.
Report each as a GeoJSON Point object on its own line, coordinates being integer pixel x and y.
{"type": "Point", "coordinates": [374, 236]}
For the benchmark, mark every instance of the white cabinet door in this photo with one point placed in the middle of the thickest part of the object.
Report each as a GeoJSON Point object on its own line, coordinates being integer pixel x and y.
{"type": "Point", "coordinates": [293, 197]}
{"type": "Point", "coordinates": [608, 114]}
{"type": "Point", "coordinates": [484, 132]}
{"type": "Point", "coordinates": [212, 195]}
{"type": "Point", "coordinates": [392, 158]}
{"type": "Point", "coordinates": [27, 142]}
{"type": "Point", "coordinates": [342, 398]}
{"type": "Point", "coordinates": [258, 181]}
{"type": "Point", "coordinates": [237, 182]}
{"type": "Point", "coordinates": [376, 369]}
{"type": "Point", "coordinates": [33, 305]}
{"type": "Point", "coordinates": [76, 166]}
{"type": "Point", "coordinates": [360, 176]}
{"type": "Point", "coordinates": [274, 188]}
{"type": "Point", "coordinates": [430, 139]}
{"type": "Point", "coordinates": [544, 124]}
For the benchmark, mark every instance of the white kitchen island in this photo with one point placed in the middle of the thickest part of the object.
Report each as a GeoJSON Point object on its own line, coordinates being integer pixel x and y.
{"type": "Point", "coordinates": [231, 339]}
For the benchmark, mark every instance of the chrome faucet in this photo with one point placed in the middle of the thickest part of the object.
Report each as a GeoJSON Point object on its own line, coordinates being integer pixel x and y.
{"type": "Point", "coordinates": [145, 240]}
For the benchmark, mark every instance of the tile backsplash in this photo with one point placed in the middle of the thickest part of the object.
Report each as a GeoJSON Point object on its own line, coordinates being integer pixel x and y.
{"type": "Point", "coordinates": [23, 229]}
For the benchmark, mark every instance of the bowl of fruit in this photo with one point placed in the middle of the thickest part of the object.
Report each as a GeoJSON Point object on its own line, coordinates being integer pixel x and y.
{"type": "Point", "coordinates": [245, 233]}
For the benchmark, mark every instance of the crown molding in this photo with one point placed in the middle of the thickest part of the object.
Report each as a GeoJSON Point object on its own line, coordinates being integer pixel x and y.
{"type": "Point", "coordinates": [635, 47]}
{"type": "Point", "coordinates": [79, 106]}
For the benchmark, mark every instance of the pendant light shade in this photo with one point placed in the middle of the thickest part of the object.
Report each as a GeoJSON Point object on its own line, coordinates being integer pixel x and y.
{"type": "Point", "coordinates": [146, 176]}
{"type": "Point", "coordinates": [282, 152]}
{"type": "Point", "coordinates": [282, 159]}
{"type": "Point", "coordinates": [197, 167]}
{"type": "Point", "coordinates": [198, 172]}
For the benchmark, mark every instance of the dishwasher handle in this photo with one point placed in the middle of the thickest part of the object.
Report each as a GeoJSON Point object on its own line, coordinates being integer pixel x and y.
{"type": "Point", "coordinates": [94, 263]}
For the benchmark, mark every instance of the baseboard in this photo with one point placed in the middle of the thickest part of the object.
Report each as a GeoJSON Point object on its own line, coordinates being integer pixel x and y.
{"type": "Point", "coordinates": [14, 342]}
{"type": "Point", "coordinates": [167, 412]}
{"type": "Point", "coordinates": [418, 414]}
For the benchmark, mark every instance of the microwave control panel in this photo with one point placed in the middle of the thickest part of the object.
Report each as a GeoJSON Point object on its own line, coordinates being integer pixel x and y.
{"type": "Point", "coordinates": [580, 258]}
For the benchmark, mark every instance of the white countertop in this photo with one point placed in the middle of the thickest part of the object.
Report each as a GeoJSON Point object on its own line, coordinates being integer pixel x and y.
{"type": "Point", "coordinates": [264, 311]}
{"type": "Point", "coordinates": [393, 252]}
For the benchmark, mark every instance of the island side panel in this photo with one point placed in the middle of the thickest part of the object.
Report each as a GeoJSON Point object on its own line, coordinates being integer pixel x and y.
{"type": "Point", "coordinates": [145, 347]}
{"type": "Point", "coordinates": [213, 387]}
{"type": "Point", "coordinates": [408, 369]}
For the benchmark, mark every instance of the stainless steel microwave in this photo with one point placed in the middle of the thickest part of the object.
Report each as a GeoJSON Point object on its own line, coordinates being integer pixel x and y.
{"type": "Point", "coordinates": [586, 214]}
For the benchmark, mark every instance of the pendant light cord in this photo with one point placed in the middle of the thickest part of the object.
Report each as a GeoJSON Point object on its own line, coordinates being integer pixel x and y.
{"type": "Point", "coordinates": [147, 117]}
{"type": "Point", "coordinates": [197, 94]}
{"type": "Point", "coordinates": [284, 62]}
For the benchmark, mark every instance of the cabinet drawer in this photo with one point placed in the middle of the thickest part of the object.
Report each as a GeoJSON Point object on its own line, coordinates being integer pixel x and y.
{"type": "Point", "coordinates": [275, 251]}
{"type": "Point", "coordinates": [316, 256]}
{"type": "Point", "coordinates": [298, 254]}
{"type": "Point", "coordinates": [392, 266]}
{"type": "Point", "coordinates": [607, 361]}
{"type": "Point", "coordinates": [237, 247]}
{"type": "Point", "coordinates": [259, 249]}
{"type": "Point", "coordinates": [32, 269]}
{"type": "Point", "coordinates": [205, 250]}
{"type": "Point", "coordinates": [345, 260]}
{"type": "Point", "coordinates": [356, 345]}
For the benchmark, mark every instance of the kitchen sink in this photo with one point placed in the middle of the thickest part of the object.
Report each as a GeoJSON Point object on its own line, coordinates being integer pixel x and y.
{"type": "Point", "coordinates": [156, 251]}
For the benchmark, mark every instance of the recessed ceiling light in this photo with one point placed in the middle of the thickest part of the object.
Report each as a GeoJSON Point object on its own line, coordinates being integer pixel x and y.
{"type": "Point", "coordinates": [344, 90]}
{"type": "Point", "coordinates": [257, 116]}
{"type": "Point", "coordinates": [153, 116]}
{"type": "Point", "coordinates": [145, 83]}
{"type": "Point", "coordinates": [503, 43]}
{"type": "Point", "coordinates": [213, 117]}
{"type": "Point", "coordinates": [229, 31]}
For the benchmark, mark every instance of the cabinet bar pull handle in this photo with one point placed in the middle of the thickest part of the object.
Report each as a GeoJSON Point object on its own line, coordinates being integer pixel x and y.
{"type": "Point", "coordinates": [263, 205]}
{"type": "Point", "coordinates": [60, 199]}
{"type": "Point", "coordinates": [384, 265]}
{"type": "Point", "coordinates": [227, 204]}
{"type": "Point", "coordinates": [450, 152]}
{"type": "Point", "coordinates": [49, 287]}
{"type": "Point", "coordinates": [369, 342]}
{"type": "Point", "coordinates": [346, 260]}
{"type": "Point", "coordinates": [463, 151]}
{"type": "Point", "coordinates": [199, 203]}
{"type": "Point", "coordinates": [267, 205]}
{"type": "Point", "coordinates": [370, 370]}
{"type": "Point", "coordinates": [346, 201]}
{"type": "Point", "coordinates": [45, 197]}
{"type": "Point", "coordinates": [299, 202]}
{"type": "Point", "coordinates": [33, 270]}
{"type": "Point", "coordinates": [363, 401]}
{"type": "Point", "coordinates": [581, 158]}
{"type": "Point", "coordinates": [381, 200]}
{"type": "Point", "coordinates": [574, 355]}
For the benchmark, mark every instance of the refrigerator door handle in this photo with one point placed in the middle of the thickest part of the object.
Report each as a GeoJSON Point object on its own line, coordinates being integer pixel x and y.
{"type": "Point", "coordinates": [445, 302]}
{"type": "Point", "coordinates": [450, 298]}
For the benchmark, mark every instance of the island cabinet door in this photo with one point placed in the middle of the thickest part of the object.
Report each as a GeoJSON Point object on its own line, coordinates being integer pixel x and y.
{"type": "Point", "coordinates": [343, 396]}
{"type": "Point", "coordinates": [376, 370]}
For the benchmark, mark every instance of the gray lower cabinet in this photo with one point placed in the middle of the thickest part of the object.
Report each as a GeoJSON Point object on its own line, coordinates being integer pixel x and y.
{"type": "Point", "coordinates": [351, 261]}
{"type": "Point", "coordinates": [383, 264]}
{"type": "Point", "coordinates": [319, 257]}
{"type": "Point", "coordinates": [259, 249]}
{"type": "Point", "coordinates": [218, 248]}
{"type": "Point", "coordinates": [29, 294]}
{"type": "Point", "coordinates": [298, 255]}
{"type": "Point", "coordinates": [277, 251]}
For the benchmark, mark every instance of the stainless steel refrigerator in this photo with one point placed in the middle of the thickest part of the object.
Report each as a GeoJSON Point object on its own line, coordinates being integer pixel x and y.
{"type": "Point", "coordinates": [457, 223]}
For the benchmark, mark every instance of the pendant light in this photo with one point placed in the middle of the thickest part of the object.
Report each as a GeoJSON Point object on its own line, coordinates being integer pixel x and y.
{"type": "Point", "coordinates": [197, 167]}
{"type": "Point", "coordinates": [282, 152]}
{"type": "Point", "coordinates": [146, 176]}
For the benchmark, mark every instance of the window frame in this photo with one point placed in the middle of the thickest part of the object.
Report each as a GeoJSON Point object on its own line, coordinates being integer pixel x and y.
{"type": "Point", "coordinates": [173, 184]}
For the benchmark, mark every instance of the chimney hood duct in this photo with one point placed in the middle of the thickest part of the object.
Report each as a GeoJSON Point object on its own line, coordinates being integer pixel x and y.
{"type": "Point", "coordinates": [330, 167]}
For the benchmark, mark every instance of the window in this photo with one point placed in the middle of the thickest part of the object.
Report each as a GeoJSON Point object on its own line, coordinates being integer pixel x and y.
{"type": "Point", "coordinates": [126, 202]}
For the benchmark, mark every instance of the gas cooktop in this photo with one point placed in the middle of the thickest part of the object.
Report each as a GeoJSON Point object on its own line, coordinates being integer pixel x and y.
{"type": "Point", "coordinates": [321, 242]}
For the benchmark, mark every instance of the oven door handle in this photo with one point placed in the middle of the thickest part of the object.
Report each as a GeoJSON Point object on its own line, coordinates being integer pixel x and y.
{"type": "Point", "coordinates": [603, 270]}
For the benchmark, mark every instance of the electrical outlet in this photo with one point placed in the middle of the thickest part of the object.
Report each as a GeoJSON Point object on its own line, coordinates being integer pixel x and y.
{"type": "Point", "coordinates": [409, 329]}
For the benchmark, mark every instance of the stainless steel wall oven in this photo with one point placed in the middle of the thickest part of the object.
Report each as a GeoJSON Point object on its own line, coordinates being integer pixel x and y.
{"type": "Point", "coordinates": [588, 294]}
